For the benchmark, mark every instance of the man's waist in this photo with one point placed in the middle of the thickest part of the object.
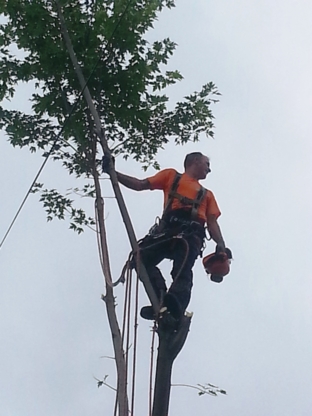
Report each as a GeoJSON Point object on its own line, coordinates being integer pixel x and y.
{"type": "Point", "coordinates": [182, 216]}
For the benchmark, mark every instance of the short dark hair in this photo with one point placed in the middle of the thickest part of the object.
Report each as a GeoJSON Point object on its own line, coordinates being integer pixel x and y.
{"type": "Point", "coordinates": [190, 158]}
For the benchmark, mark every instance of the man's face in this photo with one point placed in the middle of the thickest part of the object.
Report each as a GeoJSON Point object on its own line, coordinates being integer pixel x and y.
{"type": "Point", "coordinates": [203, 167]}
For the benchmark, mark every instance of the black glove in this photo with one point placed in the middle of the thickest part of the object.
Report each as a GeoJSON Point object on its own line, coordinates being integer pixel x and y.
{"type": "Point", "coordinates": [106, 160]}
{"type": "Point", "coordinates": [229, 253]}
{"type": "Point", "coordinates": [222, 249]}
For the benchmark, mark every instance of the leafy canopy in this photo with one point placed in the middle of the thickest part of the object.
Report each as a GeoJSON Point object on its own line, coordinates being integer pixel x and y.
{"type": "Point", "coordinates": [126, 76]}
{"type": "Point", "coordinates": [126, 79]}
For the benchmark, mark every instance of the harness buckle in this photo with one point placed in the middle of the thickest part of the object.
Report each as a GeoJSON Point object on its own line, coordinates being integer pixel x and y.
{"type": "Point", "coordinates": [156, 230]}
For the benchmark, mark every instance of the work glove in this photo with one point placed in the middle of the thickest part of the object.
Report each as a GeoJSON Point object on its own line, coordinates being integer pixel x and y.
{"type": "Point", "coordinates": [222, 249]}
{"type": "Point", "coordinates": [106, 160]}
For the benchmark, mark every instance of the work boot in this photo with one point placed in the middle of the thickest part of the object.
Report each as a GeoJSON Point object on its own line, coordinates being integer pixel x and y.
{"type": "Point", "coordinates": [173, 305]}
{"type": "Point", "coordinates": [147, 312]}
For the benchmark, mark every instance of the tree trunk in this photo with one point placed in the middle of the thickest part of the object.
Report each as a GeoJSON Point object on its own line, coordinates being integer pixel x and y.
{"type": "Point", "coordinates": [171, 341]}
{"type": "Point", "coordinates": [100, 132]}
{"type": "Point", "coordinates": [122, 396]}
{"type": "Point", "coordinates": [162, 380]}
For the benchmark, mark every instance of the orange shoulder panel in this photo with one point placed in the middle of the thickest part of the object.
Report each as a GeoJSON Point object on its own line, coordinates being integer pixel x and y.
{"type": "Point", "coordinates": [162, 180]}
{"type": "Point", "coordinates": [187, 187]}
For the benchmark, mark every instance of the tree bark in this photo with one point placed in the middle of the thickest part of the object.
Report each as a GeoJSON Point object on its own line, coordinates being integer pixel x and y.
{"type": "Point", "coordinates": [171, 342]}
{"type": "Point", "coordinates": [100, 132]}
{"type": "Point", "coordinates": [122, 396]}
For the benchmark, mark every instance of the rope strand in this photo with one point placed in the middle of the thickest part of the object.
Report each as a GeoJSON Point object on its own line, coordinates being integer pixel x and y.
{"type": "Point", "coordinates": [108, 48]}
{"type": "Point", "coordinates": [135, 344]}
{"type": "Point", "coordinates": [152, 368]}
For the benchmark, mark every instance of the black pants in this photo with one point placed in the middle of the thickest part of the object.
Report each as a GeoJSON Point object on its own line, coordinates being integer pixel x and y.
{"type": "Point", "coordinates": [183, 251]}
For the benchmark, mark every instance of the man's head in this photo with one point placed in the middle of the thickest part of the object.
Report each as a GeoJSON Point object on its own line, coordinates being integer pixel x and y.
{"type": "Point", "coordinates": [197, 165]}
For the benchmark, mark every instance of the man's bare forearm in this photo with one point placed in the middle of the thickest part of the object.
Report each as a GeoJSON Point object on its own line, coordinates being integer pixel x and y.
{"type": "Point", "coordinates": [132, 182]}
{"type": "Point", "coordinates": [215, 232]}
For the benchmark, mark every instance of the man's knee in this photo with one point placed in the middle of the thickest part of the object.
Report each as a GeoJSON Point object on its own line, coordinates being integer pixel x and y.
{"type": "Point", "coordinates": [183, 281]}
{"type": "Point", "coordinates": [156, 278]}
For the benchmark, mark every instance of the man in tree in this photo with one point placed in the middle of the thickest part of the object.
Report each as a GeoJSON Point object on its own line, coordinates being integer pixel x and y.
{"type": "Point", "coordinates": [180, 235]}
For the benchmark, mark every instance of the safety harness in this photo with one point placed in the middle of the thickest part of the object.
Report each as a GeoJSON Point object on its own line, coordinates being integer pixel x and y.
{"type": "Point", "coordinates": [179, 217]}
{"type": "Point", "coordinates": [187, 202]}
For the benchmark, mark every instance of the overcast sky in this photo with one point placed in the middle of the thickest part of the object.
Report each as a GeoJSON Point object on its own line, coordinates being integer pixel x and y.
{"type": "Point", "coordinates": [250, 335]}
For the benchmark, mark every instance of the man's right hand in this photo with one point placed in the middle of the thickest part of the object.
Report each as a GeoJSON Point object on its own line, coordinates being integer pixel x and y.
{"type": "Point", "coordinates": [106, 160]}
{"type": "Point", "coordinates": [220, 248]}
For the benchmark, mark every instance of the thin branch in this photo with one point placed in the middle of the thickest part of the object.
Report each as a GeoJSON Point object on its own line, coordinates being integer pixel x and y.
{"type": "Point", "coordinates": [103, 383]}
{"type": "Point", "coordinates": [112, 173]}
{"type": "Point", "coordinates": [203, 389]}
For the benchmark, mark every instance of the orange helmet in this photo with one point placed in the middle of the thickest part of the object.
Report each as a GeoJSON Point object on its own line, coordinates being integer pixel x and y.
{"type": "Point", "coordinates": [218, 265]}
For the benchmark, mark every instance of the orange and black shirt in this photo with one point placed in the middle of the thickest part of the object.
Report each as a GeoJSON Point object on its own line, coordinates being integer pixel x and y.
{"type": "Point", "coordinates": [187, 187]}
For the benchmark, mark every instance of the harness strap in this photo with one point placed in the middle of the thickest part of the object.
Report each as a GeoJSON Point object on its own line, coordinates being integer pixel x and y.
{"type": "Point", "coordinates": [200, 196]}
{"type": "Point", "coordinates": [194, 203]}
{"type": "Point", "coordinates": [174, 187]}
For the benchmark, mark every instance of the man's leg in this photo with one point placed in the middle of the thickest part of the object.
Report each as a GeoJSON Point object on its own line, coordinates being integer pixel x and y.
{"type": "Point", "coordinates": [152, 253]}
{"type": "Point", "coordinates": [184, 255]}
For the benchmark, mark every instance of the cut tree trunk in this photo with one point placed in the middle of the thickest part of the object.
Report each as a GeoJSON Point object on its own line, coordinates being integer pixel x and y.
{"type": "Point", "coordinates": [171, 342]}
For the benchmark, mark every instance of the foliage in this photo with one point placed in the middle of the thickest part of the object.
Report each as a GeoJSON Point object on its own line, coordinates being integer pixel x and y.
{"type": "Point", "coordinates": [126, 76]}
{"type": "Point", "coordinates": [126, 79]}
{"type": "Point", "coordinates": [57, 206]}
{"type": "Point", "coordinates": [203, 389]}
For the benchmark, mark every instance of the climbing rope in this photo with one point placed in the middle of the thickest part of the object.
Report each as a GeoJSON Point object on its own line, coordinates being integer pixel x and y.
{"type": "Point", "coordinates": [135, 344]}
{"type": "Point", "coordinates": [130, 316]}
{"type": "Point", "coordinates": [151, 369]}
{"type": "Point", "coordinates": [125, 329]}
{"type": "Point", "coordinates": [177, 237]}
{"type": "Point", "coordinates": [126, 332]}
{"type": "Point", "coordinates": [127, 321]}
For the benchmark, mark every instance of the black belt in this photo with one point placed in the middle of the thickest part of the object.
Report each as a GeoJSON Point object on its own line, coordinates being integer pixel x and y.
{"type": "Point", "coordinates": [176, 222]}
{"type": "Point", "coordinates": [182, 215]}
{"type": "Point", "coordinates": [174, 219]}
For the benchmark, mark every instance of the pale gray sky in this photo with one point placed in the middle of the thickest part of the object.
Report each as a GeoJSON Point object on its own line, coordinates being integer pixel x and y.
{"type": "Point", "coordinates": [250, 335]}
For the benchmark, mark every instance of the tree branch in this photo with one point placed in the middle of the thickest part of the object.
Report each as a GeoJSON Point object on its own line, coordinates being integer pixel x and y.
{"type": "Point", "coordinates": [100, 132]}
